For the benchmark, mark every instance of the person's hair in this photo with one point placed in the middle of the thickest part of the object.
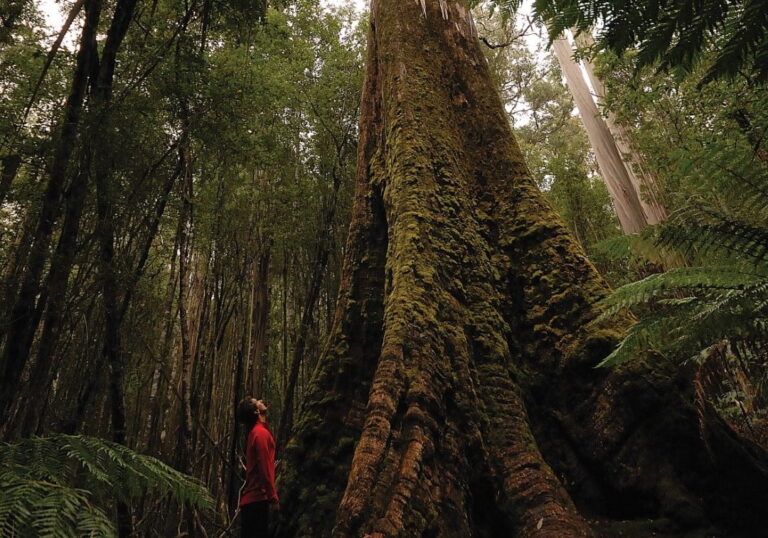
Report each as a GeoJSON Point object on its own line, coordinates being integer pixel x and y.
{"type": "Point", "coordinates": [247, 412]}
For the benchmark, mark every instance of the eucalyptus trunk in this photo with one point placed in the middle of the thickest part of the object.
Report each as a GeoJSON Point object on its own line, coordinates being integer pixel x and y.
{"type": "Point", "coordinates": [457, 395]}
{"type": "Point", "coordinates": [616, 175]}
{"type": "Point", "coordinates": [644, 182]}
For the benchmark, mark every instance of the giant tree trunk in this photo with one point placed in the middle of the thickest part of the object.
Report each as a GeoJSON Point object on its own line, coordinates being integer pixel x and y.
{"type": "Point", "coordinates": [457, 395]}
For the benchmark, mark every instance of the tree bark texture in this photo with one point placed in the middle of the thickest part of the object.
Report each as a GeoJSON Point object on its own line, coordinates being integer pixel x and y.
{"type": "Point", "coordinates": [457, 395]}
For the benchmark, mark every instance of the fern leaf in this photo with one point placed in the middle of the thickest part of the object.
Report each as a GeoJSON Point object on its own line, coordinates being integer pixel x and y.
{"type": "Point", "coordinates": [685, 279]}
{"type": "Point", "coordinates": [38, 477]}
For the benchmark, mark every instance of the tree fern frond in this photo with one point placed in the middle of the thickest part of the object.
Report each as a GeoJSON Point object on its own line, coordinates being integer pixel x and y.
{"type": "Point", "coordinates": [144, 473]}
{"type": "Point", "coordinates": [707, 229]}
{"type": "Point", "coordinates": [643, 246]}
{"type": "Point", "coordinates": [674, 34]}
{"type": "Point", "coordinates": [717, 323]}
{"type": "Point", "coordinates": [39, 498]}
{"type": "Point", "coordinates": [641, 337]}
{"type": "Point", "coordinates": [685, 279]}
{"type": "Point", "coordinates": [30, 508]}
{"type": "Point", "coordinates": [749, 35]}
{"type": "Point", "coordinates": [681, 332]}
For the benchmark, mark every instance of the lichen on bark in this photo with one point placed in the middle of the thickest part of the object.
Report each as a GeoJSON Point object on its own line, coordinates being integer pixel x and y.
{"type": "Point", "coordinates": [457, 395]}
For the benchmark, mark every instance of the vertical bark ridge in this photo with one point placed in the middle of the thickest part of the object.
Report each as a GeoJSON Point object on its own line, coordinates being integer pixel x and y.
{"type": "Point", "coordinates": [533, 493]}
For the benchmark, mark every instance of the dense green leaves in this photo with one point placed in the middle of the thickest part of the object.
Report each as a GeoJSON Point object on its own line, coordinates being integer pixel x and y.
{"type": "Point", "coordinates": [674, 34]}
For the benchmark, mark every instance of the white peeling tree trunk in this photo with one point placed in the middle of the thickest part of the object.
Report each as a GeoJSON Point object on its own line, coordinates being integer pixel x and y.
{"type": "Point", "coordinates": [617, 176]}
{"type": "Point", "coordinates": [644, 182]}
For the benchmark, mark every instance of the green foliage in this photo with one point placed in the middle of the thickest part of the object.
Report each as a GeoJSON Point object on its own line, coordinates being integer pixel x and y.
{"type": "Point", "coordinates": [696, 308]}
{"type": "Point", "coordinates": [61, 485]}
{"type": "Point", "coordinates": [676, 34]}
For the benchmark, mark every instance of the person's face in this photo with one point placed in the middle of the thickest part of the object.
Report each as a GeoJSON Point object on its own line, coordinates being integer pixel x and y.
{"type": "Point", "coordinates": [261, 406]}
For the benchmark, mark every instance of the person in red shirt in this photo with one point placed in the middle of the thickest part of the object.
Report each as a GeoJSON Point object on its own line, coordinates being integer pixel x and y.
{"type": "Point", "coordinates": [258, 495]}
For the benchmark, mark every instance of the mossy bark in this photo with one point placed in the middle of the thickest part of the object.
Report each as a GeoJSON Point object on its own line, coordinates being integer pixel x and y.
{"type": "Point", "coordinates": [457, 395]}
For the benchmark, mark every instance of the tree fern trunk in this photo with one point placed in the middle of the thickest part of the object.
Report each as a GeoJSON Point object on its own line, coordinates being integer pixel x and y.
{"type": "Point", "coordinates": [457, 395]}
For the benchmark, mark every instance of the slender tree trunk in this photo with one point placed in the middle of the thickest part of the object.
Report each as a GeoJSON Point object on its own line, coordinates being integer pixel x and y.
{"type": "Point", "coordinates": [185, 249]}
{"type": "Point", "coordinates": [457, 395]}
{"type": "Point", "coordinates": [644, 182]}
{"type": "Point", "coordinates": [106, 199]}
{"type": "Point", "coordinates": [57, 284]}
{"type": "Point", "coordinates": [10, 167]}
{"type": "Point", "coordinates": [316, 275]}
{"type": "Point", "coordinates": [259, 334]}
{"type": "Point", "coordinates": [58, 277]}
{"type": "Point", "coordinates": [234, 476]}
{"type": "Point", "coordinates": [153, 227]}
{"type": "Point", "coordinates": [284, 318]}
{"type": "Point", "coordinates": [626, 200]}
{"type": "Point", "coordinates": [22, 316]}
{"type": "Point", "coordinates": [159, 378]}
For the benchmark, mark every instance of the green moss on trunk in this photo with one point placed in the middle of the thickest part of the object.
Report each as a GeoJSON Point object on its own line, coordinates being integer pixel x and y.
{"type": "Point", "coordinates": [457, 395]}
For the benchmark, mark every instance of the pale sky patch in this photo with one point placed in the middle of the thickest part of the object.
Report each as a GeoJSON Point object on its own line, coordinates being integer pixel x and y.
{"type": "Point", "coordinates": [359, 5]}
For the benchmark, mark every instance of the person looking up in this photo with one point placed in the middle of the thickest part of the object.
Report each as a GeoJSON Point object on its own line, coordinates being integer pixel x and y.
{"type": "Point", "coordinates": [258, 495]}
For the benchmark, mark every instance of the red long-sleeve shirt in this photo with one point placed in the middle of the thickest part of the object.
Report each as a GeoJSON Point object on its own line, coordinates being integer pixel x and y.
{"type": "Point", "coordinates": [259, 467]}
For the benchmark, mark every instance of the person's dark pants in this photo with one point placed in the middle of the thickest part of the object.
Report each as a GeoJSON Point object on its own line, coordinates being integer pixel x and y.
{"type": "Point", "coordinates": [255, 519]}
